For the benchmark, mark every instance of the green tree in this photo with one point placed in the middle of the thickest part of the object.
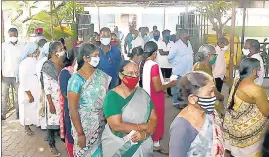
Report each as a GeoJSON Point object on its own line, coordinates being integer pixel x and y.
{"type": "Point", "coordinates": [65, 13]}
{"type": "Point", "coordinates": [215, 11]}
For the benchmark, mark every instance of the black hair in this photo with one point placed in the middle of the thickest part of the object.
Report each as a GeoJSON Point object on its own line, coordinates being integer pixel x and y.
{"type": "Point", "coordinates": [137, 51]}
{"type": "Point", "coordinates": [42, 42]}
{"type": "Point", "coordinates": [105, 29]}
{"type": "Point", "coordinates": [191, 83]}
{"type": "Point", "coordinates": [165, 31]}
{"type": "Point", "coordinates": [149, 48]}
{"type": "Point", "coordinates": [63, 42]}
{"type": "Point", "coordinates": [246, 68]}
{"type": "Point", "coordinates": [70, 56]}
{"type": "Point", "coordinates": [86, 50]}
{"type": "Point", "coordinates": [14, 30]}
{"type": "Point", "coordinates": [53, 48]}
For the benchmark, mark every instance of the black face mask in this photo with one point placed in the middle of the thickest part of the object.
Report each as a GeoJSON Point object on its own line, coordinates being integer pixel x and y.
{"type": "Point", "coordinates": [98, 43]}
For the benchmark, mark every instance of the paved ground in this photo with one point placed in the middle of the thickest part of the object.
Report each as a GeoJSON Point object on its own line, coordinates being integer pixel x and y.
{"type": "Point", "coordinates": [17, 144]}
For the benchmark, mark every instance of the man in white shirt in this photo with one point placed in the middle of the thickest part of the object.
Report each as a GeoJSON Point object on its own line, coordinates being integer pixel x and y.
{"type": "Point", "coordinates": [137, 40]}
{"type": "Point", "coordinates": [219, 68]}
{"type": "Point", "coordinates": [151, 33]}
{"type": "Point", "coordinates": [12, 51]}
{"type": "Point", "coordinates": [156, 37]}
{"type": "Point", "coordinates": [181, 57]}
{"type": "Point", "coordinates": [252, 50]}
{"type": "Point", "coordinates": [164, 47]}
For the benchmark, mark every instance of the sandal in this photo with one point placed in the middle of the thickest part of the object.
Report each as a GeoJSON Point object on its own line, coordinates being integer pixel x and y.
{"type": "Point", "coordinates": [29, 132]}
{"type": "Point", "coordinates": [161, 150]}
{"type": "Point", "coordinates": [55, 152]}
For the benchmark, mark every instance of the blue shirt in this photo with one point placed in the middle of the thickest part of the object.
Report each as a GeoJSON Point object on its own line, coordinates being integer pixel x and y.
{"type": "Point", "coordinates": [181, 57]}
{"type": "Point", "coordinates": [110, 64]}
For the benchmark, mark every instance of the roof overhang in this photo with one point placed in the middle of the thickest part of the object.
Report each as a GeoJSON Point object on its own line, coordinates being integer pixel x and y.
{"type": "Point", "coordinates": [162, 3]}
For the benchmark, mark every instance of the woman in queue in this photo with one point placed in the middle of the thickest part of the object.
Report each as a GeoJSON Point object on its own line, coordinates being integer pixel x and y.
{"type": "Point", "coordinates": [196, 129]}
{"type": "Point", "coordinates": [246, 122]}
{"type": "Point", "coordinates": [137, 55]}
{"type": "Point", "coordinates": [87, 89]}
{"type": "Point", "coordinates": [65, 123]}
{"type": "Point", "coordinates": [205, 58]}
{"type": "Point", "coordinates": [128, 108]}
{"type": "Point", "coordinates": [29, 88]}
{"type": "Point", "coordinates": [153, 84]}
{"type": "Point", "coordinates": [49, 80]}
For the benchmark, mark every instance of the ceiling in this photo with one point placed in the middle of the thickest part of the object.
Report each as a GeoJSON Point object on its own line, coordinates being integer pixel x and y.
{"type": "Point", "coordinates": [162, 3]}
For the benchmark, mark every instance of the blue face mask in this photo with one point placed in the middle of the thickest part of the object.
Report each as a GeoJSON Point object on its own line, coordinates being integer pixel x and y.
{"type": "Point", "coordinates": [168, 38]}
{"type": "Point", "coordinates": [156, 37]}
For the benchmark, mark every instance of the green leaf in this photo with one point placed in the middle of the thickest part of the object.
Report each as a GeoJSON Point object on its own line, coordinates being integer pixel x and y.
{"type": "Point", "coordinates": [44, 17]}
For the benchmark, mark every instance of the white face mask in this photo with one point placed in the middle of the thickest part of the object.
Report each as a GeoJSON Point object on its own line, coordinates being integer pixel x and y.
{"type": "Point", "coordinates": [105, 41]}
{"type": "Point", "coordinates": [246, 52]}
{"type": "Point", "coordinates": [60, 54]}
{"type": "Point", "coordinates": [225, 48]}
{"type": "Point", "coordinates": [94, 61]}
{"type": "Point", "coordinates": [13, 39]}
{"type": "Point", "coordinates": [80, 39]}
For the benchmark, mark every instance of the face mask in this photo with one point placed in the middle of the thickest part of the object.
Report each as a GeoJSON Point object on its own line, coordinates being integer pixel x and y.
{"type": "Point", "coordinates": [113, 43]}
{"type": "Point", "coordinates": [33, 39]}
{"type": "Point", "coordinates": [105, 41]}
{"type": "Point", "coordinates": [207, 104]}
{"type": "Point", "coordinates": [168, 38]}
{"type": "Point", "coordinates": [60, 54]}
{"type": "Point", "coordinates": [13, 39]}
{"type": "Point", "coordinates": [156, 37]}
{"type": "Point", "coordinates": [130, 82]}
{"type": "Point", "coordinates": [94, 61]}
{"type": "Point", "coordinates": [213, 61]}
{"type": "Point", "coordinates": [225, 48]}
{"type": "Point", "coordinates": [246, 52]}
{"type": "Point", "coordinates": [133, 36]}
{"type": "Point", "coordinates": [80, 39]}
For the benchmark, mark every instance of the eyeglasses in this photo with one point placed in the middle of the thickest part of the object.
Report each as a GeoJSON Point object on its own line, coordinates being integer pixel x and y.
{"type": "Point", "coordinates": [131, 74]}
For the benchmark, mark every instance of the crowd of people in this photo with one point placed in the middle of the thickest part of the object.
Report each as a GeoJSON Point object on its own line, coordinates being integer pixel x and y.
{"type": "Point", "coordinates": [103, 99]}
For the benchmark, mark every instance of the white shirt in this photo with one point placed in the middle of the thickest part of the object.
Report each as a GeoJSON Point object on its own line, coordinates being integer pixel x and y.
{"type": "Point", "coordinates": [219, 68]}
{"type": "Point", "coordinates": [259, 81]}
{"type": "Point", "coordinates": [138, 41]}
{"type": "Point", "coordinates": [163, 60]}
{"type": "Point", "coordinates": [11, 55]}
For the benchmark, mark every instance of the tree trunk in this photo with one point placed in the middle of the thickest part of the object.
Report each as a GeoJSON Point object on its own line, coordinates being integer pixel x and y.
{"type": "Point", "coordinates": [57, 17]}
